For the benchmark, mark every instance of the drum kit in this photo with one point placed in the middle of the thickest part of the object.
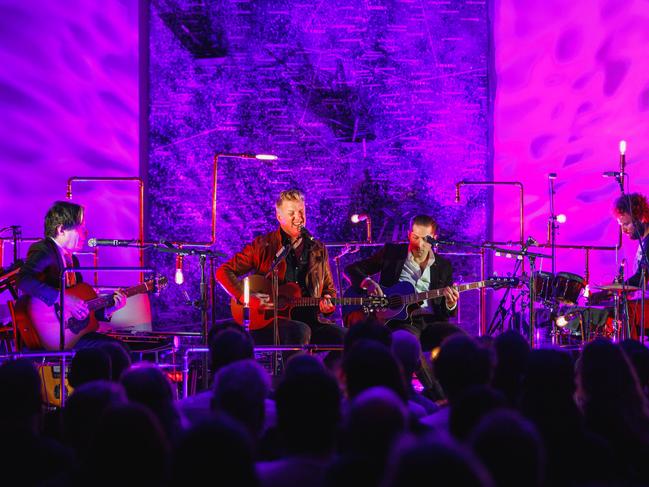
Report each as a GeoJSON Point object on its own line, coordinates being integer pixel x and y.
{"type": "Point", "coordinates": [605, 315]}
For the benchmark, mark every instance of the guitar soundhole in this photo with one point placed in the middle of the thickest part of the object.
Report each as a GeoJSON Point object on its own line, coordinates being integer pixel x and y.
{"type": "Point", "coordinates": [75, 325]}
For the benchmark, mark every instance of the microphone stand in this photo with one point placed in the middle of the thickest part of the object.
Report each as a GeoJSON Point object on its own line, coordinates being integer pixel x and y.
{"type": "Point", "coordinates": [274, 272]}
{"type": "Point", "coordinates": [16, 234]}
{"type": "Point", "coordinates": [552, 223]}
{"type": "Point", "coordinates": [643, 254]}
{"type": "Point", "coordinates": [203, 303]}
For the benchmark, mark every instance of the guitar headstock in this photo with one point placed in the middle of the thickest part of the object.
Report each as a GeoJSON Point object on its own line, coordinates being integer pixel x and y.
{"type": "Point", "coordinates": [497, 282]}
{"type": "Point", "coordinates": [375, 303]}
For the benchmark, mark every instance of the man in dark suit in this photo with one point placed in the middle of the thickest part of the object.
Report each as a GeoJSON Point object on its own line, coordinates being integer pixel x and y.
{"type": "Point", "coordinates": [416, 263]}
{"type": "Point", "coordinates": [65, 233]}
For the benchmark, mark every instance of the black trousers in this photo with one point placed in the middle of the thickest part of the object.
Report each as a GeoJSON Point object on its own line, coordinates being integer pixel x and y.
{"type": "Point", "coordinates": [293, 332]}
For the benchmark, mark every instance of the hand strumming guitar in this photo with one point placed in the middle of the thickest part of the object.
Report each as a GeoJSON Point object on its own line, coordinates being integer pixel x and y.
{"type": "Point", "coordinates": [259, 301]}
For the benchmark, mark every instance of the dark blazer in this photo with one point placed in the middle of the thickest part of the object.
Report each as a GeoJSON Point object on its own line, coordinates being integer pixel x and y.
{"type": "Point", "coordinates": [40, 276]}
{"type": "Point", "coordinates": [389, 262]}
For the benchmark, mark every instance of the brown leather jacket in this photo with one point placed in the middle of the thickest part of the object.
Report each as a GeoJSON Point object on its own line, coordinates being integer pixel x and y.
{"type": "Point", "coordinates": [258, 257]}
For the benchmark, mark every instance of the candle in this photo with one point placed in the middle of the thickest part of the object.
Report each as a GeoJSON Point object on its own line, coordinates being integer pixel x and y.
{"type": "Point", "coordinates": [246, 292]}
{"type": "Point", "coordinates": [622, 147]}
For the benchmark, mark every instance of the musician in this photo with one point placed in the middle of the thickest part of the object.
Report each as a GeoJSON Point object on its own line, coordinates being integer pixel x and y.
{"type": "Point", "coordinates": [307, 264]}
{"type": "Point", "coordinates": [65, 233]}
{"type": "Point", "coordinates": [416, 263]}
{"type": "Point", "coordinates": [632, 213]}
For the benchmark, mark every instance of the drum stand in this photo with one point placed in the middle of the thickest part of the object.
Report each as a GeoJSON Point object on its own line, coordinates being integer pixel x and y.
{"type": "Point", "coordinates": [498, 321]}
{"type": "Point", "coordinates": [621, 322]}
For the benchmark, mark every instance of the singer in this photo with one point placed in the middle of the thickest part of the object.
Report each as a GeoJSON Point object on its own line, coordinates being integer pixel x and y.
{"type": "Point", "coordinates": [632, 213]}
{"type": "Point", "coordinates": [65, 233]}
{"type": "Point", "coordinates": [306, 264]}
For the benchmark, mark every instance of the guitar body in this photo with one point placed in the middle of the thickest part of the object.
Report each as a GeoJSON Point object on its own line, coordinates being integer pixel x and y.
{"type": "Point", "coordinates": [396, 309]}
{"type": "Point", "coordinates": [39, 324]}
{"type": "Point", "coordinates": [292, 305]}
{"type": "Point", "coordinates": [260, 318]}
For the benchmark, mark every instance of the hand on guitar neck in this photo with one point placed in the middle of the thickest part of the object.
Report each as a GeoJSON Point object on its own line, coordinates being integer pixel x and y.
{"type": "Point", "coordinates": [78, 308]}
{"type": "Point", "coordinates": [451, 294]}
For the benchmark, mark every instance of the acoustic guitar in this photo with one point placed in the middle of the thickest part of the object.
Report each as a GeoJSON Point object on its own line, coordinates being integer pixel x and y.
{"type": "Point", "coordinates": [39, 324]}
{"type": "Point", "coordinates": [404, 301]}
{"type": "Point", "coordinates": [290, 297]}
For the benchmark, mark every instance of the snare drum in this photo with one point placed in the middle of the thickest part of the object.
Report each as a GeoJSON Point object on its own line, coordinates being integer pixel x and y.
{"type": "Point", "coordinates": [543, 286]}
{"type": "Point", "coordinates": [567, 287]}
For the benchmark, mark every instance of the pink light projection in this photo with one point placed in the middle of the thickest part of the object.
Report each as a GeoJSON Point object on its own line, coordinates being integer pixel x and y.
{"type": "Point", "coordinates": [69, 97]}
{"type": "Point", "coordinates": [571, 83]}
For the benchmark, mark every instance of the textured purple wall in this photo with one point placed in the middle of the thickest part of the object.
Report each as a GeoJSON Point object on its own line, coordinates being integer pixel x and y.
{"type": "Point", "coordinates": [377, 108]}
{"type": "Point", "coordinates": [571, 83]}
{"type": "Point", "coordinates": [69, 98]}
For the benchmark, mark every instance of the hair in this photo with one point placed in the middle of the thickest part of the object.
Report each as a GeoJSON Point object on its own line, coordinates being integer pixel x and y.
{"type": "Point", "coordinates": [633, 204]}
{"type": "Point", "coordinates": [424, 221]}
{"type": "Point", "coordinates": [21, 388]}
{"type": "Point", "coordinates": [289, 195]}
{"type": "Point", "coordinates": [63, 213]}
{"type": "Point", "coordinates": [229, 346]}
{"type": "Point", "coordinates": [462, 363]}
{"type": "Point", "coordinates": [240, 390]}
{"type": "Point", "coordinates": [89, 364]}
{"type": "Point", "coordinates": [311, 398]}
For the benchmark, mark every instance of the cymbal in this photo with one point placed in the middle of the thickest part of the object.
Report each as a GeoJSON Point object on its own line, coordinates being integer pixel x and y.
{"type": "Point", "coordinates": [617, 287]}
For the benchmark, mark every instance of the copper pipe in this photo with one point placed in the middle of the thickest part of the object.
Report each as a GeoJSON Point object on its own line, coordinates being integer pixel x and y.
{"type": "Point", "coordinates": [459, 184]}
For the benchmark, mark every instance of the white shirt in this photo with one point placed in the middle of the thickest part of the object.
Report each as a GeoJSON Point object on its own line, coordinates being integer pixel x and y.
{"type": "Point", "coordinates": [420, 279]}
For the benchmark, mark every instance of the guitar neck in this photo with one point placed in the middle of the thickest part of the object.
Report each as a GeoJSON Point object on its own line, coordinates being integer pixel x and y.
{"type": "Point", "coordinates": [306, 302]}
{"type": "Point", "coordinates": [107, 300]}
{"type": "Point", "coordinates": [436, 293]}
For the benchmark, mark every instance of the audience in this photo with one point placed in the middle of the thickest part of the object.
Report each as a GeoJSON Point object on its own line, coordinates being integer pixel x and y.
{"type": "Point", "coordinates": [511, 416]}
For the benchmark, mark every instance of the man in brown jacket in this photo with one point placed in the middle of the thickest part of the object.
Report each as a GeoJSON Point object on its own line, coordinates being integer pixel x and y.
{"type": "Point", "coordinates": [307, 264]}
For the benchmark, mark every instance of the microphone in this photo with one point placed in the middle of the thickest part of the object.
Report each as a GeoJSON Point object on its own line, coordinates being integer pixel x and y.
{"type": "Point", "coordinates": [106, 242]}
{"type": "Point", "coordinates": [611, 174]}
{"type": "Point", "coordinates": [306, 234]}
{"type": "Point", "coordinates": [357, 218]}
{"type": "Point", "coordinates": [430, 240]}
